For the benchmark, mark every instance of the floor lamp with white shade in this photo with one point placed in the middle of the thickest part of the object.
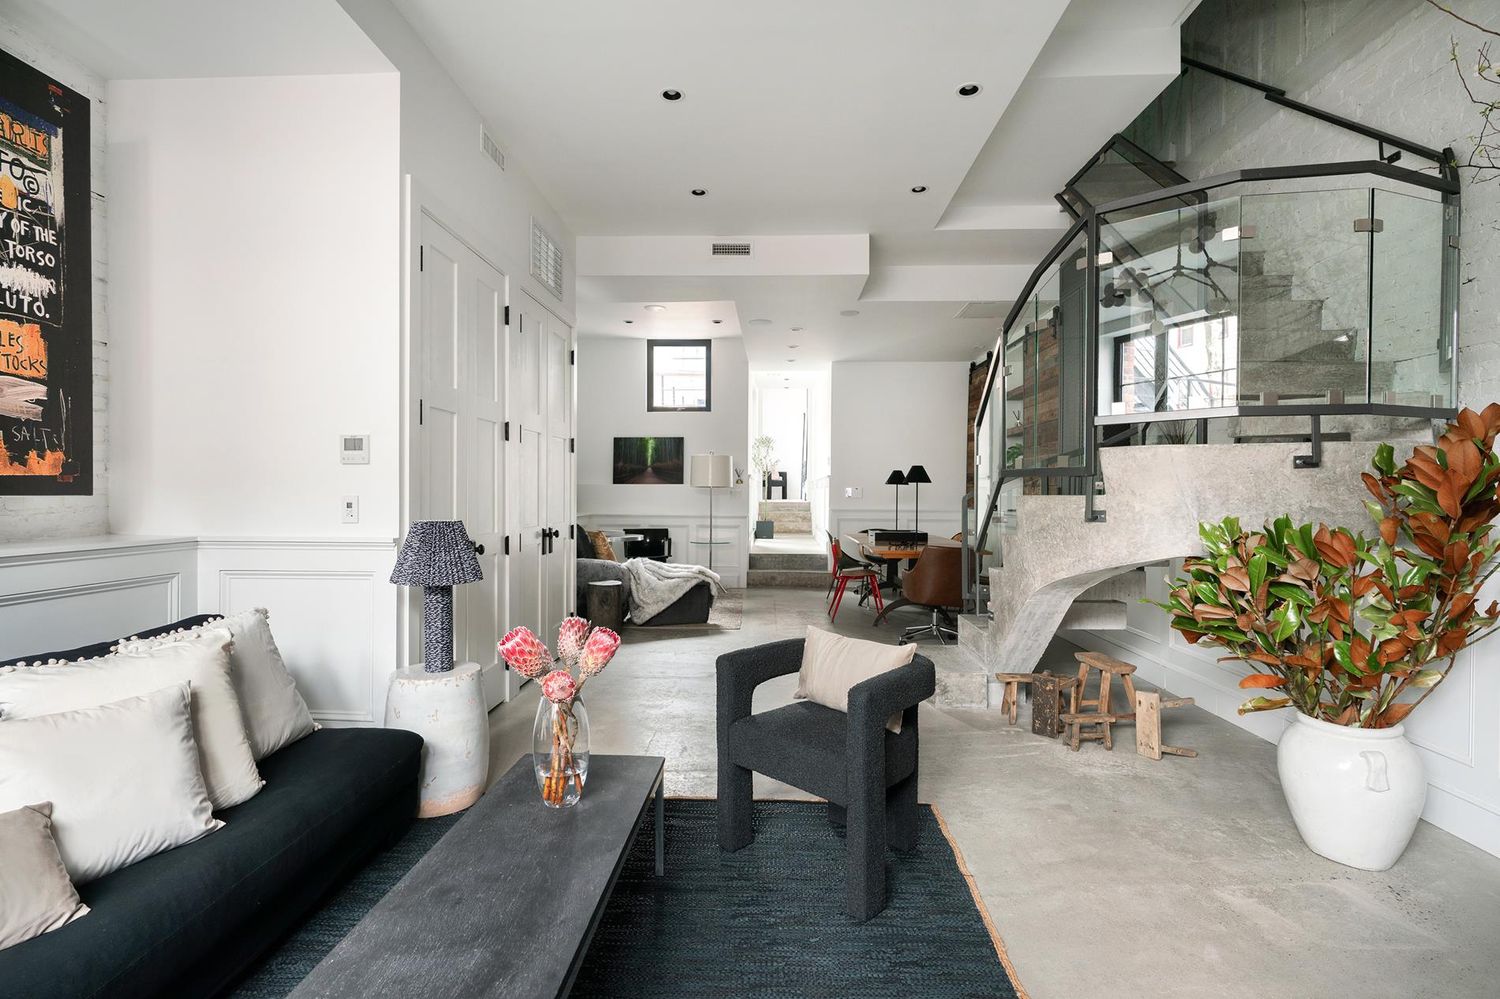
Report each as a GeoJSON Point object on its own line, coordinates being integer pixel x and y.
{"type": "Point", "coordinates": [711, 471]}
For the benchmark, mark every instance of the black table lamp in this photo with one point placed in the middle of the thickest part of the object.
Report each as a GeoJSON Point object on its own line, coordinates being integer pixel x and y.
{"type": "Point", "coordinates": [916, 475]}
{"type": "Point", "coordinates": [898, 480]}
{"type": "Point", "coordinates": [437, 556]}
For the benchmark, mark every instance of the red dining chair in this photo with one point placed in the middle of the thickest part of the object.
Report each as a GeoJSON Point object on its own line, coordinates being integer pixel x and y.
{"type": "Point", "coordinates": [844, 573]}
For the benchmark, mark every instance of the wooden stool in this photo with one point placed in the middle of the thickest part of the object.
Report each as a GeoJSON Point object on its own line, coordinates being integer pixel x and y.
{"type": "Point", "coordinates": [1148, 708]}
{"type": "Point", "coordinates": [1099, 720]}
{"type": "Point", "coordinates": [1046, 703]}
{"type": "Point", "coordinates": [1009, 700]}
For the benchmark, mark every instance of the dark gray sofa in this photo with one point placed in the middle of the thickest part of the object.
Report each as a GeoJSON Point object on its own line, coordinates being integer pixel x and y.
{"type": "Point", "coordinates": [190, 921]}
{"type": "Point", "coordinates": [691, 608]}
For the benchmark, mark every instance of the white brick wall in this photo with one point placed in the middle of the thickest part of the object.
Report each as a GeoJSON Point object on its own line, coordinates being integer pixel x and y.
{"type": "Point", "coordinates": [1381, 62]}
{"type": "Point", "coordinates": [32, 517]}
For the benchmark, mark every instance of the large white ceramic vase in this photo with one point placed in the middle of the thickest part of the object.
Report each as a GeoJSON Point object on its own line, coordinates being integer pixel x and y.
{"type": "Point", "coordinates": [447, 710]}
{"type": "Point", "coordinates": [1356, 794]}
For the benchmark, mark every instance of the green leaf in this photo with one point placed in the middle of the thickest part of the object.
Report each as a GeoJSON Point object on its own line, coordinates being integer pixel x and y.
{"type": "Point", "coordinates": [1427, 678]}
{"type": "Point", "coordinates": [1424, 499]}
{"type": "Point", "coordinates": [1385, 460]}
{"type": "Point", "coordinates": [1292, 592]}
{"type": "Point", "coordinates": [1374, 510]}
{"type": "Point", "coordinates": [1257, 570]}
{"type": "Point", "coordinates": [1289, 623]}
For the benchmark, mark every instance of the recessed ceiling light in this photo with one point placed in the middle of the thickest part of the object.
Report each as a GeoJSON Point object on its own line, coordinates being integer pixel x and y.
{"type": "Point", "coordinates": [797, 329]}
{"type": "Point", "coordinates": [629, 321]}
{"type": "Point", "coordinates": [760, 322]}
{"type": "Point", "coordinates": [791, 346]}
{"type": "Point", "coordinates": [791, 360]}
{"type": "Point", "coordinates": [671, 95]}
{"type": "Point", "coordinates": [699, 192]}
{"type": "Point", "coordinates": [919, 189]}
{"type": "Point", "coordinates": [969, 89]}
{"type": "Point", "coordinates": [849, 312]}
{"type": "Point", "coordinates": [656, 308]}
{"type": "Point", "coordinates": [718, 321]}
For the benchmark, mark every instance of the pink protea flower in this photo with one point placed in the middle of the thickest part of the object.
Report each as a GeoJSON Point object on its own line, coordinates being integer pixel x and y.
{"type": "Point", "coordinates": [558, 686]}
{"type": "Point", "coordinates": [571, 635]}
{"type": "Point", "coordinates": [525, 653]}
{"type": "Point", "coordinates": [598, 651]}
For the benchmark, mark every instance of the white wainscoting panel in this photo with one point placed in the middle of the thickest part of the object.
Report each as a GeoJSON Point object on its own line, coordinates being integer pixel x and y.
{"type": "Point", "coordinates": [61, 594]}
{"type": "Point", "coordinates": [333, 612]}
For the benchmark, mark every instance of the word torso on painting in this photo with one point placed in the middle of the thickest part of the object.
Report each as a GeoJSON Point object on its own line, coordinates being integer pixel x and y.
{"type": "Point", "coordinates": [46, 317]}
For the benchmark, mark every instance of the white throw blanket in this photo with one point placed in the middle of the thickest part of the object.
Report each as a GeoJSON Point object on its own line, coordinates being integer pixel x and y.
{"type": "Point", "coordinates": [655, 586]}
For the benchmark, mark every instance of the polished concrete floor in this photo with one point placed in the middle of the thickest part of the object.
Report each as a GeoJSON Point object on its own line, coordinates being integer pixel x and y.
{"type": "Point", "coordinates": [1106, 874]}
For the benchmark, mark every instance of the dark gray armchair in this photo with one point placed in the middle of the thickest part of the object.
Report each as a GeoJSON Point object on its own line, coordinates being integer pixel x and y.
{"type": "Point", "coordinates": [867, 773]}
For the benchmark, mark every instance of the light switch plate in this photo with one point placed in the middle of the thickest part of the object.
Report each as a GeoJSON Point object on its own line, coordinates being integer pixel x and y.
{"type": "Point", "coordinates": [854, 492]}
{"type": "Point", "coordinates": [349, 511]}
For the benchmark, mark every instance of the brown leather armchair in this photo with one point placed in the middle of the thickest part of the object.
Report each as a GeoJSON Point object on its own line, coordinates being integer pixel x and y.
{"type": "Point", "coordinates": [936, 582]}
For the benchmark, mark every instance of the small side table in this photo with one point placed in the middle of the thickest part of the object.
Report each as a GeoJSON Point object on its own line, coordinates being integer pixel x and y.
{"type": "Point", "coordinates": [606, 604]}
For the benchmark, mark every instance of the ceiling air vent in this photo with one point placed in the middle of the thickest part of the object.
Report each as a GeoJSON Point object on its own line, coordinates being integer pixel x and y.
{"type": "Point", "coordinates": [983, 310]}
{"type": "Point", "coordinates": [731, 249]}
{"type": "Point", "coordinates": [491, 147]}
{"type": "Point", "coordinates": [546, 260]}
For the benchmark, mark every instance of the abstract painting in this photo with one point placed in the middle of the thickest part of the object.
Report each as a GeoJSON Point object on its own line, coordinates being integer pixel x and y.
{"type": "Point", "coordinates": [648, 461]}
{"type": "Point", "coordinates": [46, 310]}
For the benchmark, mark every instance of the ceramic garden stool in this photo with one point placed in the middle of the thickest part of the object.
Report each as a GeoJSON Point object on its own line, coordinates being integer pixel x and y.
{"type": "Point", "coordinates": [447, 710]}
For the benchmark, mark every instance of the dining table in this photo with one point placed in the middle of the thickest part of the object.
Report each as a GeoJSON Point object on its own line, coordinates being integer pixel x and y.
{"type": "Point", "coordinates": [891, 554]}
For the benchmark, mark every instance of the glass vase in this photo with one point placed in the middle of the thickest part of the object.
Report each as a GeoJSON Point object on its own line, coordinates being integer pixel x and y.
{"type": "Point", "coordinates": [560, 751]}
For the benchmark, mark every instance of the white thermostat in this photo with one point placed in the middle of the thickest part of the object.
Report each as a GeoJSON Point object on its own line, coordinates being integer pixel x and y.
{"type": "Point", "coordinates": [354, 449]}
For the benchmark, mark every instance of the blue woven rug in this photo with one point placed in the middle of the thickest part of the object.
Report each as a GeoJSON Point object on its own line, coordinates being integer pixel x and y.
{"type": "Point", "coordinates": [767, 921]}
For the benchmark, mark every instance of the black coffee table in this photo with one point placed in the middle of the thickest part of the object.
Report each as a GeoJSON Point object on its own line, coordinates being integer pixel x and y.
{"type": "Point", "coordinates": [504, 904]}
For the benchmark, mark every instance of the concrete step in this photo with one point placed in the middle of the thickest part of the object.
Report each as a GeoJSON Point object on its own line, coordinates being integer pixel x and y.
{"type": "Point", "coordinates": [1261, 316]}
{"type": "Point", "coordinates": [789, 516]}
{"type": "Point", "coordinates": [974, 633]}
{"type": "Point", "coordinates": [790, 579]}
{"type": "Point", "coordinates": [801, 561]}
{"type": "Point", "coordinates": [962, 679]}
{"type": "Point", "coordinates": [1095, 615]}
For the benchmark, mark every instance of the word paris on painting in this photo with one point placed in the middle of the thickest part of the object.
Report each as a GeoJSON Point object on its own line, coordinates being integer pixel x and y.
{"type": "Point", "coordinates": [46, 316]}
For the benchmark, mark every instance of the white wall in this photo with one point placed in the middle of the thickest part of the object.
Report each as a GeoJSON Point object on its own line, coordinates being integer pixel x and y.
{"type": "Point", "coordinates": [256, 239]}
{"type": "Point", "coordinates": [440, 148]}
{"type": "Point", "coordinates": [612, 403]}
{"type": "Point", "coordinates": [888, 415]}
{"type": "Point", "coordinates": [32, 517]}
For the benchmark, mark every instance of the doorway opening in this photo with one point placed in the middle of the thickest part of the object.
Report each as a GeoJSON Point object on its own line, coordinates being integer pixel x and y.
{"type": "Point", "coordinates": [789, 444]}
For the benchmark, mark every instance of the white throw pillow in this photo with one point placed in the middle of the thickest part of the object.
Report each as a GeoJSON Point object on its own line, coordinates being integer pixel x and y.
{"type": "Point", "coordinates": [831, 664]}
{"type": "Point", "coordinates": [36, 894]}
{"type": "Point", "coordinates": [224, 750]}
{"type": "Point", "coordinates": [275, 713]}
{"type": "Point", "coordinates": [123, 779]}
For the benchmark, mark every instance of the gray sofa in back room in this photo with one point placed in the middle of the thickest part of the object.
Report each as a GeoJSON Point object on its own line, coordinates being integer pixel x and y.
{"type": "Point", "coordinates": [691, 608]}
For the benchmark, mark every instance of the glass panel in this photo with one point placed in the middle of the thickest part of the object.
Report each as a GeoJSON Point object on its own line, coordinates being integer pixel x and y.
{"type": "Point", "coordinates": [1044, 364]}
{"type": "Point", "coordinates": [1168, 329]}
{"type": "Point", "coordinates": [1304, 298]}
{"type": "Point", "coordinates": [1408, 345]}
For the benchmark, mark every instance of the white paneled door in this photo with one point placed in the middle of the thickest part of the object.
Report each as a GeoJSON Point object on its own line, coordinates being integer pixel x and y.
{"type": "Point", "coordinates": [459, 454]}
{"type": "Point", "coordinates": [541, 414]}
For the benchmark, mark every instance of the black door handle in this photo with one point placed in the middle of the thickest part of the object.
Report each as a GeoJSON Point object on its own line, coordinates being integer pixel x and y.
{"type": "Point", "coordinates": [479, 549]}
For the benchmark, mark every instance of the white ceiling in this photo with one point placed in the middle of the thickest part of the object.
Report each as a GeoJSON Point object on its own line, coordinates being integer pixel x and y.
{"type": "Point", "coordinates": [797, 117]}
{"type": "Point", "coordinates": [190, 39]}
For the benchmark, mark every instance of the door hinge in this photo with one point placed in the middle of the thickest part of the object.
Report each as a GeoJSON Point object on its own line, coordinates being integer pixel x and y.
{"type": "Point", "coordinates": [507, 430]}
{"type": "Point", "coordinates": [572, 441]}
{"type": "Point", "coordinates": [421, 258]}
{"type": "Point", "coordinates": [507, 315]}
{"type": "Point", "coordinates": [421, 411]}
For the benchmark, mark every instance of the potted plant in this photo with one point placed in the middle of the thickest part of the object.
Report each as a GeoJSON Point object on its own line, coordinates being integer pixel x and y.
{"type": "Point", "coordinates": [763, 460]}
{"type": "Point", "coordinates": [1354, 632]}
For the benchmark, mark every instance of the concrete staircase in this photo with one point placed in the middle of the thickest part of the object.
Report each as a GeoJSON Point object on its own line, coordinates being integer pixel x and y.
{"type": "Point", "coordinates": [789, 570]}
{"type": "Point", "coordinates": [789, 516]}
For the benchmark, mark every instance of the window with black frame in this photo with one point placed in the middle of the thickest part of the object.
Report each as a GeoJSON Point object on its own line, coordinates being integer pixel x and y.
{"type": "Point", "coordinates": [679, 376]}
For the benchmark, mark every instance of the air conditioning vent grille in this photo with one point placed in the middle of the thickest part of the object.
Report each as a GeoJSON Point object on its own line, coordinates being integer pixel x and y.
{"type": "Point", "coordinates": [546, 260]}
{"type": "Point", "coordinates": [731, 249]}
{"type": "Point", "coordinates": [491, 148]}
{"type": "Point", "coordinates": [983, 310]}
